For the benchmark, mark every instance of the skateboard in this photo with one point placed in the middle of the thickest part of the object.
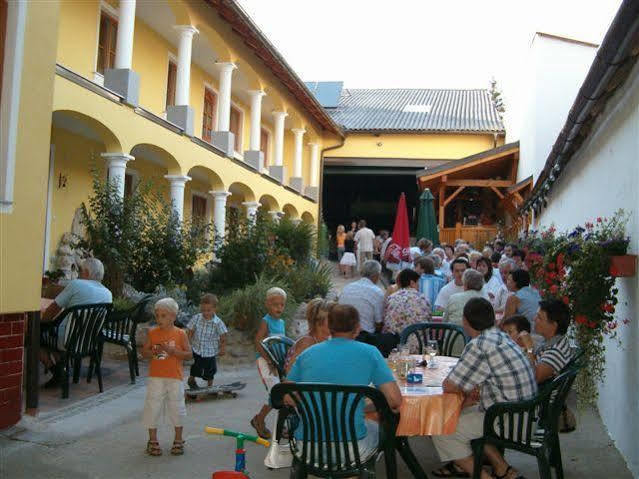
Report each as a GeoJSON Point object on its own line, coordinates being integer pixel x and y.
{"type": "Point", "coordinates": [216, 391]}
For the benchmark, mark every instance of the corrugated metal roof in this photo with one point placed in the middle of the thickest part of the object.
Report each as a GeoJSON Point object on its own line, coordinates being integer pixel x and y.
{"type": "Point", "coordinates": [384, 110]}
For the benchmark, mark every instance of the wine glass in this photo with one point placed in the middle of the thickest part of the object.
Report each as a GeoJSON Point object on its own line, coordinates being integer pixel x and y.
{"type": "Point", "coordinates": [431, 352]}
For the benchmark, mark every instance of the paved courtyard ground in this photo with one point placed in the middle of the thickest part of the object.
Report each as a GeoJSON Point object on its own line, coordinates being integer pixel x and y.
{"type": "Point", "coordinates": [100, 436]}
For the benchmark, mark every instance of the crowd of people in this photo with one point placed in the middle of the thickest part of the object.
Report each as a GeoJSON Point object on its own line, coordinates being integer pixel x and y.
{"type": "Point", "coordinates": [517, 340]}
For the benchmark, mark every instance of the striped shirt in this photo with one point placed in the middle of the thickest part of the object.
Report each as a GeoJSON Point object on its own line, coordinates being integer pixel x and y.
{"type": "Point", "coordinates": [556, 353]}
{"type": "Point", "coordinates": [206, 335]}
{"type": "Point", "coordinates": [368, 300]}
{"type": "Point", "coordinates": [498, 366]}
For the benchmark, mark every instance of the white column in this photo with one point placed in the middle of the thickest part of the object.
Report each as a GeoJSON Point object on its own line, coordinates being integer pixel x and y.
{"type": "Point", "coordinates": [276, 215]}
{"type": "Point", "coordinates": [224, 99]}
{"type": "Point", "coordinates": [183, 80]}
{"type": "Point", "coordinates": [251, 209]}
{"type": "Point", "coordinates": [314, 164]}
{"type": "Point", "coordinates": [177, 183]}
{"type": "Point", "coordinates": [219, 212]}
{"type": "Point", "coordinates": [278, 145]}
{"type": "Point", "coordinates": [116, 166]}
{"type": "Point", "coordinates": [256, 118]}
{"type": "Point", "coordinates": [124, 46]}
{"type": "Point", "coordinates": [299, 148]}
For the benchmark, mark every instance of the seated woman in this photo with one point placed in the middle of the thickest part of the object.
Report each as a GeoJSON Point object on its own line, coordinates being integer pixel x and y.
{"type": "Point", "coordinates": [407, 306]}
{"type": "Point", "coordinates": [552, 321]}
{"type": "Point", "coordinates": [317, 318]}
{"type": "Point", "coordinates": [492, 285]}
{"type": "Point", "coordinates": [525, 299]}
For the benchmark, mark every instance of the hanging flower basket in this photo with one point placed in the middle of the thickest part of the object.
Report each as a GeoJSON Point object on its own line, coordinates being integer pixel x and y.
{"type": "Point", "coordinates": [623, 266]}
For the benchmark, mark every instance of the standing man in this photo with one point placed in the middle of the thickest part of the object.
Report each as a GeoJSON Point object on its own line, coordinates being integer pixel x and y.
{"type": "Point", "coordinates": [364, 240]}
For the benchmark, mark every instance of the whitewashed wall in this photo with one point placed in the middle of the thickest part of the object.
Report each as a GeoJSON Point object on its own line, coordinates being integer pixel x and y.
{"type": "Point", "coordinates": [555, 70]}
{"type": "Point", "coordinates": [600, 179]}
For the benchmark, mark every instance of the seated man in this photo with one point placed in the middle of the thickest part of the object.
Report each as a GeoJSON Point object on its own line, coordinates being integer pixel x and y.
{"type": "Point", "coordinates": [499, 369]}
{"type": "Point", "coordinates": [457, 266]}
{"type": "Point", "coordinates": [87, 289]}
{"type": "Point", "coordinates": [473, 284]}
{"type": "Point", "coordinates": [342, 360]}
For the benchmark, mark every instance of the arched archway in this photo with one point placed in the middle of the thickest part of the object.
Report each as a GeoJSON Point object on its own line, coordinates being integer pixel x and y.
{"type": "Point", "coordinates": [269, 203]}
{"type": "Point", "coordinates": [87, 127]}
{"type": "Point", "coordinates": [290, 212]}
{"type": "Point", "coordinates": [308, 218]}
{"type": "Point", "coordinates": [158, 156]}
{"type": "Point", "coordinates": [207, 177]}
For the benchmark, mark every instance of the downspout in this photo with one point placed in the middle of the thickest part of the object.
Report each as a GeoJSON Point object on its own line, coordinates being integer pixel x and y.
{"type": "Point", "coordinates": [321, 183]}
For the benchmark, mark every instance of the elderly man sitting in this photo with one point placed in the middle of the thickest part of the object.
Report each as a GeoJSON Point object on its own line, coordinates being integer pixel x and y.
{"type": "Point", "coordinates": [87, 289]}
{"type": "Point", "coordinates": [368, 299]}
{"type": "Point", "coordinates": [473, 284]}
{"type": "Point", "coordinates": [494, 369]}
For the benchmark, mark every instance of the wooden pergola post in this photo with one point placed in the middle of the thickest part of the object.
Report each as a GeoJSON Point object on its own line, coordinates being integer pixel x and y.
{"type": "Point", "coordinates": [442, 204]}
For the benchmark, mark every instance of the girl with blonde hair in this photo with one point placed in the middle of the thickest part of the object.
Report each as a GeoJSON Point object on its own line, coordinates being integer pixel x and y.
{"type": "Point", "coordinates": [317, 317]}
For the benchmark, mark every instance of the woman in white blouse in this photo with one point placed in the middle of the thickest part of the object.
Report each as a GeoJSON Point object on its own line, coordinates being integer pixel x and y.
{"type": "Point", "coordinates": [494, 288]}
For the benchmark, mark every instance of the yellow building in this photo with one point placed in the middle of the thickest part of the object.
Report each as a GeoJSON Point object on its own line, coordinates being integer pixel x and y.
{"type": "Point", "coordinates": [391, 134]}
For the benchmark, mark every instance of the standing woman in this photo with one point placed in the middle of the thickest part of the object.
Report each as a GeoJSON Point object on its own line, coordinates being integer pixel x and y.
{"type": "Point", "coordinates": [340, 238]}
{"type": "Point", "coordinates": [353, 228]}
{"type": "Point", "coordinates": [348, 261]}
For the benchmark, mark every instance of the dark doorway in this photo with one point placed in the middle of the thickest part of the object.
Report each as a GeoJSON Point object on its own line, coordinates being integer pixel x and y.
{"type": "Point", "coordinates": [354, 193]}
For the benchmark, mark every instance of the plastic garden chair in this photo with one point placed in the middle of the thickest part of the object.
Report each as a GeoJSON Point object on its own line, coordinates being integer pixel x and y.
{"type": "Point", "coordinates": [449, 337]}
{"type": "Point", "coordinates": [120, 329]}
{"type": "Point", "coordinates": [328, 411]}
{"type": "Point", "coordinates": [511, 425]}
{"type": "Point", "coordinates": [83, 324]}
{"type": "Point", "coordinates": [277, 348]}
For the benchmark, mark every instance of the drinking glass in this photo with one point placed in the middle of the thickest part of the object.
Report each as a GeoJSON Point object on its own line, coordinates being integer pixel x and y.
{"type": "Point", "coordinates": [431, 352]}
{"type": "Point", "coordinates": [404, 350]}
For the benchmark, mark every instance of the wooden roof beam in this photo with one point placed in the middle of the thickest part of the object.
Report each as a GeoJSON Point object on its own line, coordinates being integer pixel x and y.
{"type": "Point", "coordinates": [497, 192]}
{"type": "Point", "coordinates": [484, 183]}
{"type": "Point", "coordinates": [452, 197]}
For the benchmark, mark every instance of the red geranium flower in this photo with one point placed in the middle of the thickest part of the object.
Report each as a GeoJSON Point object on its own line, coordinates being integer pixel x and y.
{"type": "Point", "coordinates": [554, 288]}
{"type": "Point", "coordinates": [551, 266]}
{"type": "Point", "coordinates": [599, 220]}
{"type": "Point", "coordinates": [581, 319]}
{"type": "Point", "coordinates": [566, 299]}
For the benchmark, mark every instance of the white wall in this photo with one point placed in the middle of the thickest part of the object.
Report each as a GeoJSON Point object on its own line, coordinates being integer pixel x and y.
{"type": "Point", "coordinates": [555, 70]}
{"type": "Point", "coordinates": [599, 180]}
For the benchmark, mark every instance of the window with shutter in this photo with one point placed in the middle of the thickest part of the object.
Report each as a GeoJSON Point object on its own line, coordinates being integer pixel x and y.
{"type": "Point", "coordinates": [198, 209]}
{"type": "Point", "coordinates": [236, 127]}
{"type": "Point", "coordinates": [264, 145]}
{"type": "Point", "coordinates": [208, 122]}
{"type": "Point", "coordinates": [107, 40]}
{"type": "Point", "coordinates": [170, 84]}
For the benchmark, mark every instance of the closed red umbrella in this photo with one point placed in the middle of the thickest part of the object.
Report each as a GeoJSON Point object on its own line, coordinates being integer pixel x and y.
{"type": "Point", "coordinates": [398, 250]}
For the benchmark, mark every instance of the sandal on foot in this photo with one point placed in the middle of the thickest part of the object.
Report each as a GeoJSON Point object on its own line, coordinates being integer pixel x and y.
{"type": "Point", "coordinates": [508, 471]}
{"type": "Point", "coordinates": [450, 469]}
{"type": "Point", "coordinates": [261, 429]}
{"type": "Point", "coordinates": [153, 448]}
{"type": "Point", "coordinates": [178, 448]}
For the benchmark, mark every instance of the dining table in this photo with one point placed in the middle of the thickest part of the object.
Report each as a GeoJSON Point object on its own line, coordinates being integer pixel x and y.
{"type": "Point", "coordinates": [426, 410]}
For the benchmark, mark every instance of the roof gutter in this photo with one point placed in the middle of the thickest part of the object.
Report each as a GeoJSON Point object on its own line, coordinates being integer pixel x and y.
{"type": "Point", "coordinates": [613, 55]}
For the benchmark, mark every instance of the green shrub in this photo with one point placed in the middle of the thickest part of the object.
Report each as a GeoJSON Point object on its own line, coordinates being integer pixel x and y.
{"type": "Point", "coordinates": [294, 240]}
{"type": "Point", "coordinates": [244, 308]}
{"type": "Point", "coordinates": [323, 241]}
{"type": "Point", "coordinates": [122, 304]}
{"type": "Point", "coordinates": [309, 281]}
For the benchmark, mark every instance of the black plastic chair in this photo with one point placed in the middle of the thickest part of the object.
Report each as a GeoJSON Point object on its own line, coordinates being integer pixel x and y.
{"type": "Point", "coordinates": [120, 329]}
{"type": "Point", "coordinates": [328, 411]}
{"type": "Point", "coordinates": [277, 348]}
{"type": "Point", "coordinates": [83, 324]}
{"type": "Point", "coordinates": [448, 337]}
{"type": "Point", "coordinates": [511, 425]}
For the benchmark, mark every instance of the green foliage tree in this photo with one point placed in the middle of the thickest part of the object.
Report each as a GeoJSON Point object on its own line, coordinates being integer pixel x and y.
{"type": "Point", "coordinates": [496, 98]}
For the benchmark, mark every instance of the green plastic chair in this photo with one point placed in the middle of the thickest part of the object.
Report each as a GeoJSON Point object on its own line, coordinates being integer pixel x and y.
{"type": "Point", "coordinates": [276, 348]}
{"type": "Point", "coordinates": [511, 425]}
{"type": "Point", "coordinates": [328, 411]}
{"type": "Point", "coordinates": [448, 336]}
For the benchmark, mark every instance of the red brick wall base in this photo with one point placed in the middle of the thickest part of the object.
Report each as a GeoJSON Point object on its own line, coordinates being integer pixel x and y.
{"type": "Point", "coordinates": [11, 358]}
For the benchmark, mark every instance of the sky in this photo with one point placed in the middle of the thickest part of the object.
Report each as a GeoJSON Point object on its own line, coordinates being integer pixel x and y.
{"type": "Point", "coordinates": [422, 43]}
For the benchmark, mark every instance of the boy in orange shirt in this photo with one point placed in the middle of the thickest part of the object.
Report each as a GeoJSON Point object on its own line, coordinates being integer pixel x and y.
{"type": "Point", "coordinates": [167, 346]}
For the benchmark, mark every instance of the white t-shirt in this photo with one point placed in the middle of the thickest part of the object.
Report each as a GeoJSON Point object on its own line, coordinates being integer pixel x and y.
{"type": "Point", "coordinates": [445, 293]}
{"type": "Point", "coordinates": [364, 239]}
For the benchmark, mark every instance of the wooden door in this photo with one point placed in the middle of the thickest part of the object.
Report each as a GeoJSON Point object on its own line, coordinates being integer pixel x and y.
{"type": "Point", "coordinates": [234, 127]}
{"type": "Point", "coordinates": [170, 84]}
{"type": "Point", "coordinates": [107, 41]}
{"type": "Point", "coordinates": [208, 122]}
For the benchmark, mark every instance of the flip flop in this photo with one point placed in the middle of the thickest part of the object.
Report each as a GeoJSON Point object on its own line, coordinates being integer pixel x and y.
{"type": "Point", "coordinates": [262, 431]}
{"type": "Point", "coordinates": [505, 474]}
{"type": "Point", "coordinates": [450, 469]}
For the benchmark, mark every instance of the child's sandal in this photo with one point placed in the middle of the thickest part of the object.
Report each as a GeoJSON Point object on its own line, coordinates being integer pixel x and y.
{"type": "Point", "coordinates": [178, 448]}
{"type": "Point", "coordinates": [153, 448]}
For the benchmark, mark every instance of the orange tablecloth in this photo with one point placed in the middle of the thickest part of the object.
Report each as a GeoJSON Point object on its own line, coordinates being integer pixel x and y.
{"type": "Point", "coordinates": [426, 410]}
